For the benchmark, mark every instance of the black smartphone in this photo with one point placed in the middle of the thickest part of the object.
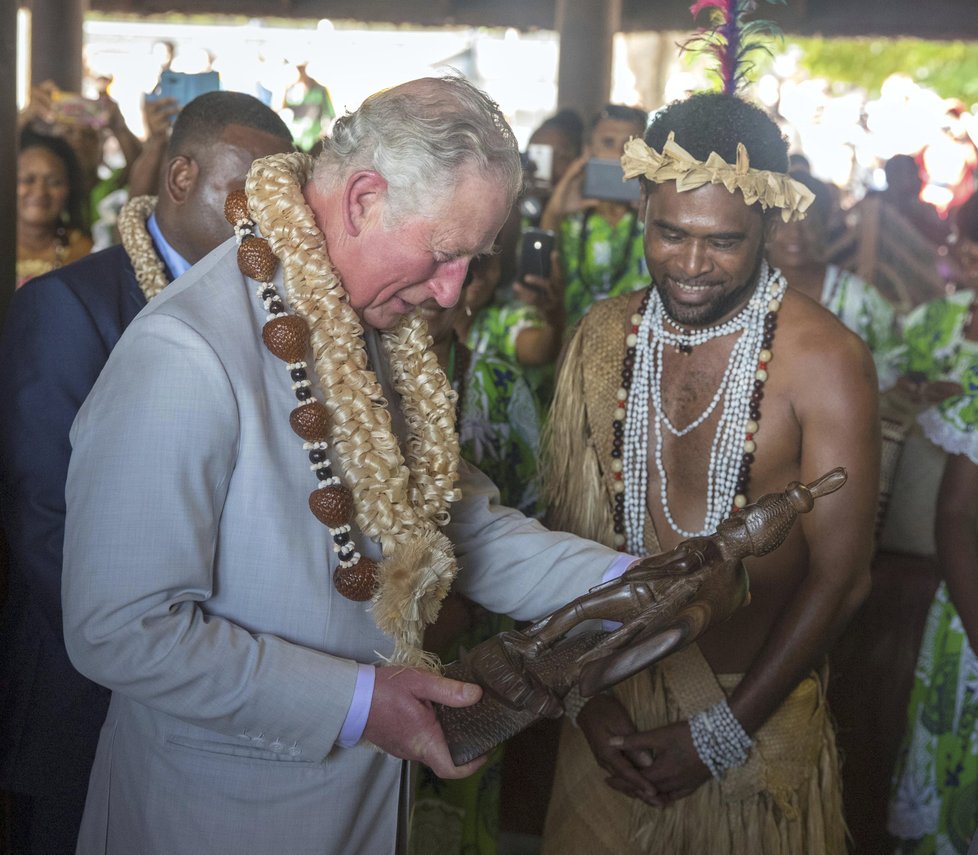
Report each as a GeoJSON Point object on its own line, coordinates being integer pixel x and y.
{"type": "Point", "coordinates": [605, 179]}
{"type": "Point", "coordinates": [535, 248]}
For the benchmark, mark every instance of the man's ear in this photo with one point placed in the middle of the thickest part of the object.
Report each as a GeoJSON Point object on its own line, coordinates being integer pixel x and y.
{"type": "Point", "coordinates": [364, 197]}
{"type": "Point", "coordinates": [772, 222]}
{"type": "Point", "coordinates": [181, 176]}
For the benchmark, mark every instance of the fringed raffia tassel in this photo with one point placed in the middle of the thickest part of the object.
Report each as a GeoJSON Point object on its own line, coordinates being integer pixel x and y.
{"type": "Point", "coordinates": [413, 582]}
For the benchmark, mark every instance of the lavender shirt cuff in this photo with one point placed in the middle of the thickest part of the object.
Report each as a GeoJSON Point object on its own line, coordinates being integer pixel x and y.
{"type": "Point", "coordinates": [618, 566]}
{"type": "Point", "coordinates": [356, 716]}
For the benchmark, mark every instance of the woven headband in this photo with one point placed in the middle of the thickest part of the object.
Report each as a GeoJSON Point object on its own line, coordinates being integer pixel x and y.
{"type": "Point", "coordinates": [771, 189]}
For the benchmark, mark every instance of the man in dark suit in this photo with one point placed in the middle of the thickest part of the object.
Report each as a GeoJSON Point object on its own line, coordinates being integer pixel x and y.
{"type": "Point", "coordinates": [58, 334]}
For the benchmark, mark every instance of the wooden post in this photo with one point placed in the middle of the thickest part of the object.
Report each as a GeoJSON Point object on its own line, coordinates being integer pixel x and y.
{"type": "Point", "coordinates": [587, 29]}
{"type": "Point", "coordinates": [56, 42]}
{"type": "Point", "coordinates": [8, 150]}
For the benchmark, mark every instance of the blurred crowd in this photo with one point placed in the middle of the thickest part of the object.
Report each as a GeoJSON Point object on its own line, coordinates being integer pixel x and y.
{"type": "Point", "coordinates": [891, 268]}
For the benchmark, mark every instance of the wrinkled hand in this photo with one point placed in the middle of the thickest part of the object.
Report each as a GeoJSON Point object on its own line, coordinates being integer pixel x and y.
{"type": "Point", "coordinates": [676, 770]}
{"type": "Point", "coordinates": [604, 720]}
{"type": "Point", "coordinates": [402, 719]}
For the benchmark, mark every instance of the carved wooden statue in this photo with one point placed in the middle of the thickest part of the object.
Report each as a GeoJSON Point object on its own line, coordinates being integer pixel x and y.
{"type": "Point", "coordinates": [662, 604]}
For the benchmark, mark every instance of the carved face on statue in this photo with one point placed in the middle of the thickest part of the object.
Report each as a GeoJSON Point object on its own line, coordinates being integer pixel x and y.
{"type": "Point", "coordinates": [704, 249]}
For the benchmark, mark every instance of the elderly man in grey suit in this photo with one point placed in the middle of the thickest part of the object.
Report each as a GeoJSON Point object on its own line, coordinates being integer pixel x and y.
{"type": "Point", "coordinates": [265, 503]}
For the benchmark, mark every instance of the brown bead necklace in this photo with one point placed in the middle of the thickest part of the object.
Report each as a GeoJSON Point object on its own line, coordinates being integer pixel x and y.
{"type": "Point", "coordinates": [287, 337]}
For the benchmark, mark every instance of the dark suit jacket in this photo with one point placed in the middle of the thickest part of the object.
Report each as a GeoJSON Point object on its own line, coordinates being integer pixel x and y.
{"type": "Point", "coordinates": [58, 333]}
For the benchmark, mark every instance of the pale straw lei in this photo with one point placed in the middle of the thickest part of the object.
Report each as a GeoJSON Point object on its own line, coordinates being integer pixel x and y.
{"type": "Point", "coordinates": [401, 504]}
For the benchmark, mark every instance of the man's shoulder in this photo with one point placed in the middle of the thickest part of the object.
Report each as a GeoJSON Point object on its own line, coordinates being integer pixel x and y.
{"type": "Point", "coordinates": [93, 273]}
{"type": "Point", "coordinates": [808, 320]}
{"type": "Point", "coordinates": [608, 313]}
{"type": "Point", "coordinates": [812, 336]}
{"type": "Point", "coordinates": [198, 292]}
{"type": "Point", "coordinates": [99, 284]}
{"type": "Point", "coordinates": [213, 298]}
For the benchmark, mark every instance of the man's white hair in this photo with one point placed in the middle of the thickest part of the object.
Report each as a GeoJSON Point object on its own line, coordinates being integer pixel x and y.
{"type": "Point", "coordinates": [421, 136]}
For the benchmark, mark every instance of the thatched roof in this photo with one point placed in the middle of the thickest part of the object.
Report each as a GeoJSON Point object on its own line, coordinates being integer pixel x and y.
{"type": "Point", "coordinates": [940, 19]}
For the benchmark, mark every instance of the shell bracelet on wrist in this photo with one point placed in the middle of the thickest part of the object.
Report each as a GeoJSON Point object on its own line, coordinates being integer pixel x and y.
{"type": "Point", "coordinates": [720, 740]}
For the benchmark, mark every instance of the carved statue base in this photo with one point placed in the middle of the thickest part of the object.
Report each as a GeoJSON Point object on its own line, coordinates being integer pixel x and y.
{"type": "Point", "coordinates": [660, 605]}
{"type": "Point", "coordinates": [476, 730]}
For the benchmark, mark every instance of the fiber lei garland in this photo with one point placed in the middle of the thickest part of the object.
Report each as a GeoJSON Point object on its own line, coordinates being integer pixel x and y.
{"type": "Point", "coordinates": [136, 240]}
{"type": "Point", "coordinates": [398, 503]}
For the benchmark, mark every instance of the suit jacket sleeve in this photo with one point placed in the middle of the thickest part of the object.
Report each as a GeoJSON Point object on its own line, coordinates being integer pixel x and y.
{"type": "Point", "coordinates": [154, 450]}
{"type": "Point", "coordinates": [510, 563]}
{"type": "Point", "coordinates": [51, 352]}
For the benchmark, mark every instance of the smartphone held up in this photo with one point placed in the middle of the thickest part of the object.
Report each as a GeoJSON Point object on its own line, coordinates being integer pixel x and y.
{"type": "Point", "coordinates": [536, 246]}
{"type": "Point", "coordinates": [605, 179]}
{"type": "Point", "coordinates": [183, 88]}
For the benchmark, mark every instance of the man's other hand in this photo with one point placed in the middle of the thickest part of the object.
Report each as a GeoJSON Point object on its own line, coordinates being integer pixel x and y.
{"type": "Point", "coordinates": [602, 720]}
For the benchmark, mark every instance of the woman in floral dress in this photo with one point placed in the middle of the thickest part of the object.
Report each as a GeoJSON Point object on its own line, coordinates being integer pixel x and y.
{"type": "Point", "coordinates": [934, 801]}
{"type": "Point", "coordinates": [940, 337]}
{"type": "Point", "coordinates": [521, 325]}
{"type": "Point", "coordinates": [601, 242]}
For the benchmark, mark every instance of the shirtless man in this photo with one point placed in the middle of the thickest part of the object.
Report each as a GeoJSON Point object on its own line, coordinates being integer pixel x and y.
{"type": "Point", "coordinates": [706, 391]}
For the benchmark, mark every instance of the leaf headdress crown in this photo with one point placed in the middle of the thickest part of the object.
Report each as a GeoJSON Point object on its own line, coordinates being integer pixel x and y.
{"type": "Point", "coordinates": [730, 38]}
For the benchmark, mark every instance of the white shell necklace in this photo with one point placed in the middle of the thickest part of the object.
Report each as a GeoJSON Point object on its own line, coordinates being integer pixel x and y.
{"type": "Point", "coordinates": [739, 392]}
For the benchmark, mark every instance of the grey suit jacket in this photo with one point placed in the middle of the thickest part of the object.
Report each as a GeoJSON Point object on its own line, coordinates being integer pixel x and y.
{"type": "Point", "coordinates": [197, 587]}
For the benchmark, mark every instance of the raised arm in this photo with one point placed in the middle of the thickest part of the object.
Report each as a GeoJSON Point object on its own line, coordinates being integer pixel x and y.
{"type": "Point", "coordinates": [144, 174]}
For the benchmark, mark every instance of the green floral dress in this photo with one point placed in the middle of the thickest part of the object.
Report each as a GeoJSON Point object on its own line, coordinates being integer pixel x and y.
{"type": "Point", "coordinates": [933, 338]}
{"type": "Point", "coordinates": [493, 334]}
{"type": "Point", "coordinates": [500, 430]}
{"type": "Point", "coordinates": [600, 260]}
{"type": "Point", "coordinates": [934, 800]}
{"type": "Point", "coordinates": [500, 433]}
{"type": "Point", "coordinates": [869, 315]}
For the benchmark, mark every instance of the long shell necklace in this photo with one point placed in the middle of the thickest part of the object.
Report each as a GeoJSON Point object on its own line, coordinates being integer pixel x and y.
{"type": "Point", "coordinates": [738, 397]}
